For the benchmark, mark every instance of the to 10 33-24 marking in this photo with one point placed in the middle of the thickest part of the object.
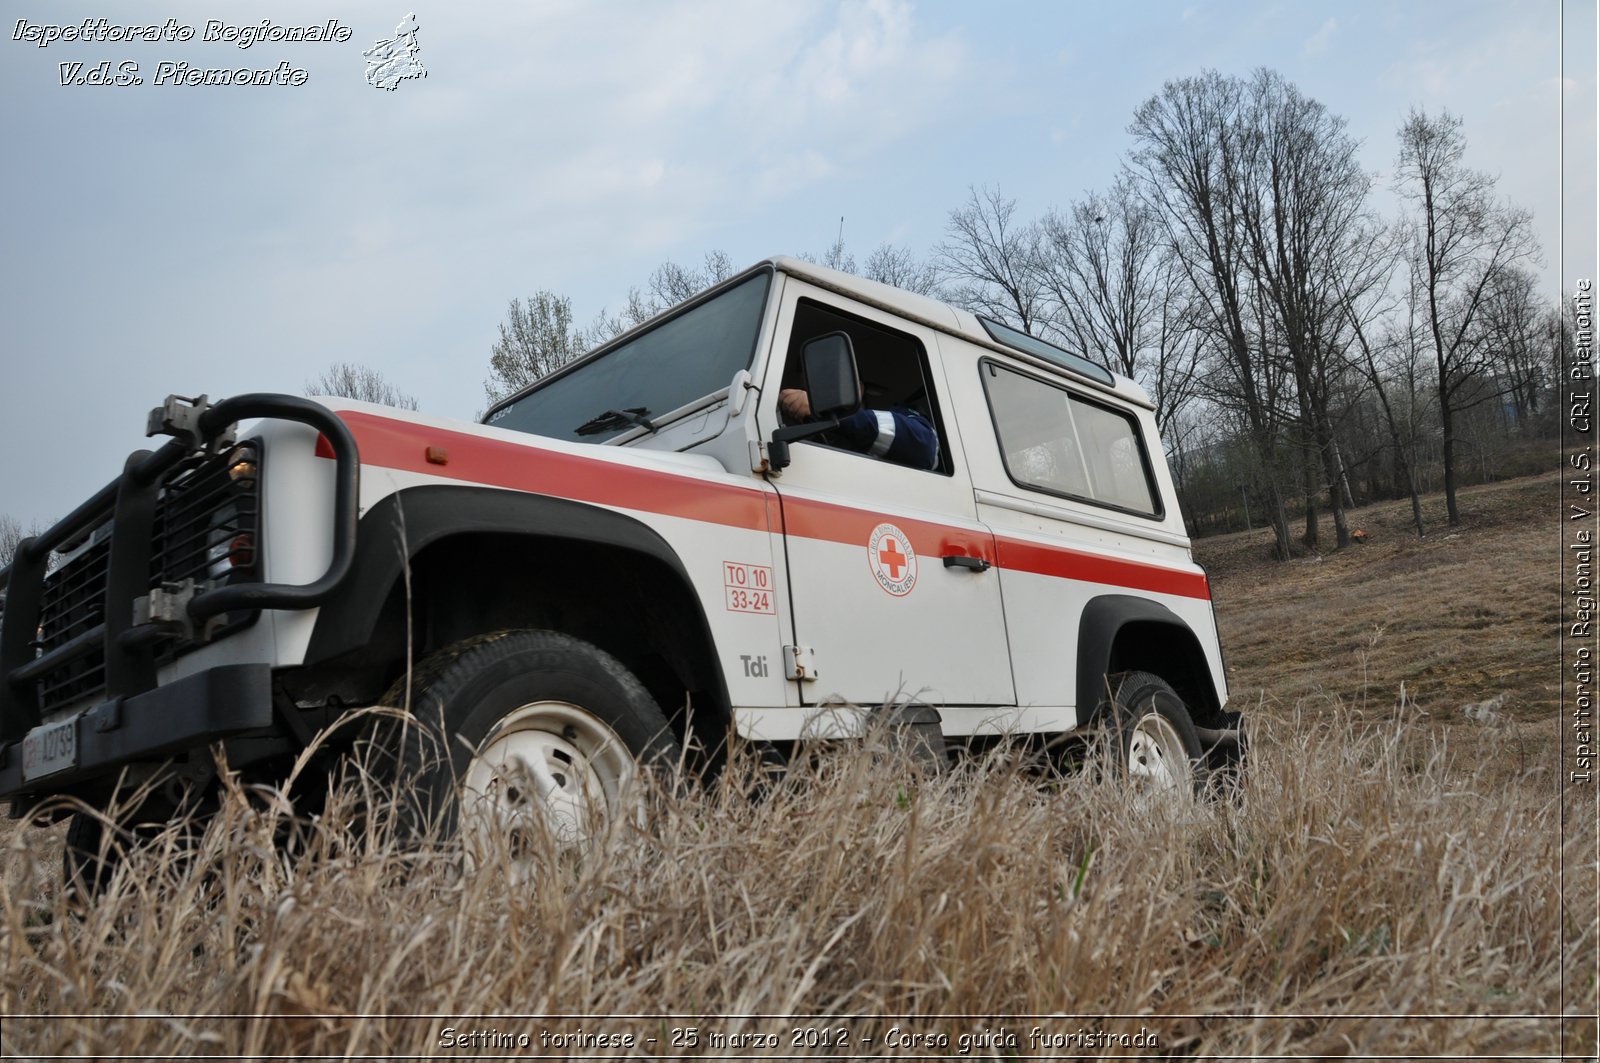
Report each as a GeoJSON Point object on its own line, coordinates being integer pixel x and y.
{"type": "Point", "coordinates": [747, 588]}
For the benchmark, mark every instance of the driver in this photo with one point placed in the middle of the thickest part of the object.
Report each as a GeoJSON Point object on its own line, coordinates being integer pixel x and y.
{"type": "Point", "coordinates": [898, 434]}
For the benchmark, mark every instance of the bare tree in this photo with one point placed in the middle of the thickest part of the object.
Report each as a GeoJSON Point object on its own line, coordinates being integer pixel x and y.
{"type": "Point", "coordinates": [1516, 330]}
{"type": "Point", "coordinates": [538, 336]}
{"type": "Point", "coordinates": [837, 257]}
{"type": "Point", "coordinates": [1187, 159]}
{"type": "Point", "coordinates": [536, 339]}
{"type": "Point", "coordinates": [1111, 291]}
{"type": "Point", "coordinates": [1386, 356]}
{"type": "Point", "coordinates": [11, 536]}
{"type": "Point", "coordinates": [1095, 263]}
{"type": "Point", "coordinates": [989, 256]}
{"type": "Point", "coordinates": [351, 381]}
{"type": "Point", "coordinates": [1464, 239]}
{"type": "Point", "coordinates": [889, 264]}
{"type": "Point", "coordinates": [1301, 198]}
{"type": "Point", "coordinates": [1172, 373]}
{"type": "Point", "coordinates": [1557, 340]}
{"type": "Point", "coordinates": [669, 284]}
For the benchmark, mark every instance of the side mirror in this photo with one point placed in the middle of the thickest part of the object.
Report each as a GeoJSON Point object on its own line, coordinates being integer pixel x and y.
{"type": "Point", "coordinates": [832, 380]}
{"type": "Point", "coordinates": [833, 385]}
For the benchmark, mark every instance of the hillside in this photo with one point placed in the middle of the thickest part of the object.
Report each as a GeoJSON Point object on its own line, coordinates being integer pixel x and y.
{"type": "Point", "coordinates": [1465, 621]}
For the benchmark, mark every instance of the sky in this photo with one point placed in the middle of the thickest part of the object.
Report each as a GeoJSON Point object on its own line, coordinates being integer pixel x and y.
{"type": "Point", "coordinates": [168, 238]}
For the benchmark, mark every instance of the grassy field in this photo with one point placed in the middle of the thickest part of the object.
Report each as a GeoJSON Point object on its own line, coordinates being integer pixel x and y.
{"type": "Point", "coordinates": [1460, 617]}
{"type": "Point", "coordinates": [1387, 882]}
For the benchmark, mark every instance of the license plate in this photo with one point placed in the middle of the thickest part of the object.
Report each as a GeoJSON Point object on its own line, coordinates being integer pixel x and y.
{"type": "Point", "coordinates": [49, 749]}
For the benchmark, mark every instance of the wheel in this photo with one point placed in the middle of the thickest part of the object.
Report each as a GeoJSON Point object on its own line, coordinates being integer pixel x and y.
{"type": "Point", "coordinates": [88, 859]}
{"type": "Point", "coordinates": [98, 843]}
{"type": "Point", "coordinates": [521, 741]}
{"type": "Point", "coordinates": [1157, 750]}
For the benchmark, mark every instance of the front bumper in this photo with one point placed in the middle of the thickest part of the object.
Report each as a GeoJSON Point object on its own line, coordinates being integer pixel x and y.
{"type": "Point", "coordinates": [184, 714]}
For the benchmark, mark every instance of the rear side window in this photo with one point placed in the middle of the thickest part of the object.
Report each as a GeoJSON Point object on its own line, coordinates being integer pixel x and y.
{"type": "Point", "coordinates": [1055, 441]}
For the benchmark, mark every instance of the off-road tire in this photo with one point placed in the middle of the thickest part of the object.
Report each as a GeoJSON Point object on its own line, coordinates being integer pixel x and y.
{"type": "Point", "coordinates": [86, 866]}
{"type": "Point", "coordinates": [463, 698]}
{"type": "Point", "coordinates": [89, 859]}
{"type": "Point", "coordinates": [1152, 737]}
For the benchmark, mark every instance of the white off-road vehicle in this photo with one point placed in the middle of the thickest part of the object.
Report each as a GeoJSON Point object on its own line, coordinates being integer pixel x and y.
{"type": "Point", "coordinates": [634, 535]}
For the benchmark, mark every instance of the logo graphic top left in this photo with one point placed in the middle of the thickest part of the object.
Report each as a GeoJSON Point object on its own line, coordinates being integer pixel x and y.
{"type": "Point", "coordinates": [394, 60]}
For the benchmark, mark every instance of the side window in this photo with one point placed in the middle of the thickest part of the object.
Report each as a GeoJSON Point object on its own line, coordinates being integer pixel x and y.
{"type": "Point", "coordinates": [893, 366]}
{"type": "Point", "coordinates": [1056, 441]}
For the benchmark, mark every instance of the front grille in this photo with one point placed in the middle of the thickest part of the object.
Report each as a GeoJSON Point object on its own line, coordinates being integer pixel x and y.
{"type": "Point", "coordinates": [72, 604]}
{"type": "Point", "coordinates": [206, 530]}
{"type": "Point", "coordinates": [206, 522]}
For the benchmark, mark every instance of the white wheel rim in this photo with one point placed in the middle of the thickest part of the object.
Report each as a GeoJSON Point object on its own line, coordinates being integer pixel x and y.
{"type": "Point", "coordinates": [547, 778]}
{"type": "Point", "coordinates": [1158, 763]}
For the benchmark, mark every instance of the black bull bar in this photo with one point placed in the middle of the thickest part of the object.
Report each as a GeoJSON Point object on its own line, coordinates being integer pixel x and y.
{"type": "Point", "coordinates": [130, 503]}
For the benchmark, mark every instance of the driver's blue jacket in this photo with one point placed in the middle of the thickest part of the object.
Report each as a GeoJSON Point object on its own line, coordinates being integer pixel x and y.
{"type": "Point", "coordinates": [900, 434]}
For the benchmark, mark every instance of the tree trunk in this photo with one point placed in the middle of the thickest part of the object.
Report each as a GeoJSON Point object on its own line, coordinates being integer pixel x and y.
{"type": "Point", "coordinates": [1277, 509]}
{"type": "Point", "coordinates": [1309, 538]}
{"type": "Point", "coordinates": [1338, 488]}
{"type": "Point", "coordinates": [1448, 449]}
{"type": "Point", "coordinates": [1404, 467]}
{"type": "Point", "coordinates": [1341, 520]}
{"type": "Point", "coordinates": [1281, 548]}
{"type": "Point", "coordinates": [1344, 476]}
{"type": "Point", "coordinates": [1411, 484]}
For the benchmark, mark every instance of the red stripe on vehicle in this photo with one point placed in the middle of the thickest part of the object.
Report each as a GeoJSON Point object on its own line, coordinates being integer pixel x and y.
{"type": "Point", "coordinates": [834, 523]}
{"type": "Point", "coordinates": [476, 459]}
{"type": "Point", "coordinates": [399, 445]}
{"type": "Point", "coordinates": [1021, 556]}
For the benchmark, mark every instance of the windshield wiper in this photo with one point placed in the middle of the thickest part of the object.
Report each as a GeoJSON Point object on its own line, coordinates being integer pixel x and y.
{"type": "Point", "coordinates": [612, 419]}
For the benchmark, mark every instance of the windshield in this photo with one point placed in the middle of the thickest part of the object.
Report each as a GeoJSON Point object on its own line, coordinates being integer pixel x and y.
{"type": "Point", "coordinates": [678, 361]}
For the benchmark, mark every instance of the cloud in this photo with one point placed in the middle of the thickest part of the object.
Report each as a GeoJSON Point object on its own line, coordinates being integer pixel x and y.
{"type": "Point", "coordinates": [788, 173]}
{"type": "Point", "coordinates": [1317, 43]}
{"type": "Point", "coordinates": [601, 125]}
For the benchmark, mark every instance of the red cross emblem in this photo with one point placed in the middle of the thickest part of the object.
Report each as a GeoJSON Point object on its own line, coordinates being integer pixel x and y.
{"type": "Point", "coordinates": [891, 556]}
{"type": "Point", "coordinates": [892, 559]}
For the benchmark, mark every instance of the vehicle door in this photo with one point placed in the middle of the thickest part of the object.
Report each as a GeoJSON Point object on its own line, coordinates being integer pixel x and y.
{"type": "Point", "coordinates": [889, 570]}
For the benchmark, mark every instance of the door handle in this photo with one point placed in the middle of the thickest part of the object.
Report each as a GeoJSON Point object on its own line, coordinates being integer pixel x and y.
{"type": "Point", "coordinates": [975, 564]}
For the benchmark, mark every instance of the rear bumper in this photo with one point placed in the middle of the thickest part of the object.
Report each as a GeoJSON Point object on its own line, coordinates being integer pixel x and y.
{"type": "Point", "coordinates": [181, 715]}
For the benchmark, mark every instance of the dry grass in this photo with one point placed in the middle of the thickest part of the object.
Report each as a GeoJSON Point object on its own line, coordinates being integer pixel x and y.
{"type": "Point", "coordinates": [1385, 883]}
{"type": "Point", "coordinates": [1456, 630]}
{"type": "Point", "coordinates": [1354, 883]}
